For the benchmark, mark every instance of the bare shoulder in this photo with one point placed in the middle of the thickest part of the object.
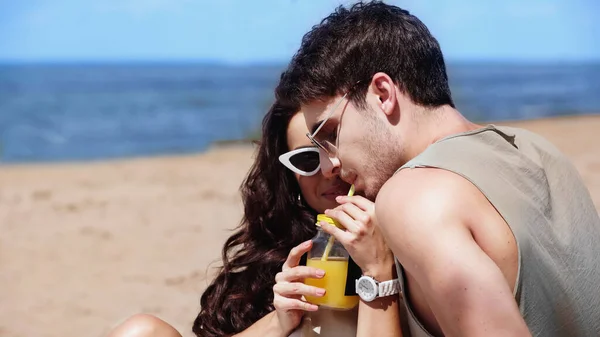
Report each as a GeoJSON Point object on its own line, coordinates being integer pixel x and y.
{"type": "Point", "coordinates": [445, 233]}
{"type": "Point", "coordinates": [144, 325]}
{"type": "Point", "coordinates": [416, 197]}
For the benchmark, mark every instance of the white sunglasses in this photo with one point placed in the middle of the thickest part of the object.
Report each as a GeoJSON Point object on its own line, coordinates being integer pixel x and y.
{"type": "Point", "coordinates": [304, 161]}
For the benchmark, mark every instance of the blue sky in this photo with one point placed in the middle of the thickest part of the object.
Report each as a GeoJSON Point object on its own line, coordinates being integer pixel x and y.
{"type": "Point", "coordinates": [246, 31]}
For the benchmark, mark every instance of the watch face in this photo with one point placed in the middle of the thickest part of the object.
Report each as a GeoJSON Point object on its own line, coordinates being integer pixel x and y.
{"type": "Point", "coordinates": [366, 289]}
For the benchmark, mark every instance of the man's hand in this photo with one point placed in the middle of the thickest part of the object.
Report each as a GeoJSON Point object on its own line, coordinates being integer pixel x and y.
{"type": "Point", "coordinates": [361, 237]}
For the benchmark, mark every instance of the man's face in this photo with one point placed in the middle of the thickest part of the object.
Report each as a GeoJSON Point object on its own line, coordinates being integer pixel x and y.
{"type": "Point", "coordinates": [359, 143]}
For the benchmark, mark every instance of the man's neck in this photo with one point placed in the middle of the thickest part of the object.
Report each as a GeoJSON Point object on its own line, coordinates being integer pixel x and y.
{"type": "Point", "coordinates": [439, 123]}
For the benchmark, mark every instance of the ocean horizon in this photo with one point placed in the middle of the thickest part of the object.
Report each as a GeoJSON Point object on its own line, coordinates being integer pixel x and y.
{"type": "Point", "coordinates": [53, 112]}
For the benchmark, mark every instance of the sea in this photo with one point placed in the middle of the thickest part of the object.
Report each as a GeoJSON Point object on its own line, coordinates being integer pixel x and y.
{"type": "Point", "coordinates": [87, 112]}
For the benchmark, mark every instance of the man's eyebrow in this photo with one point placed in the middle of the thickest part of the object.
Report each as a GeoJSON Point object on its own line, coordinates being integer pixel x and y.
{"type": "Point", "coordinates": [316, 126]}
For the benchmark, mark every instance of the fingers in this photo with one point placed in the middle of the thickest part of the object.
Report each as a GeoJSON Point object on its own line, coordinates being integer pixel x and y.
{"type": "Point", "coordinates": [339, 234]}
{"type": "Point", "coordinates": [286, 303]}
{"type": "Point", "coordinates": [355, 213]}
{"type": "Point", "coordinates": [296, 254]}
{"type": "Point", "coordinates": [351, 217]}
{"type": "Point", "coordinates": [358, 200]}
{"type": "Point", "coordinates": [298, 273]}
{"type": "Point", "coordinates": [297, 289]}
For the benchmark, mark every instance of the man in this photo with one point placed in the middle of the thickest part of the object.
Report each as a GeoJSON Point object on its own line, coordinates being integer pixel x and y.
{"type": "Point", "coordinates": [493, 229]}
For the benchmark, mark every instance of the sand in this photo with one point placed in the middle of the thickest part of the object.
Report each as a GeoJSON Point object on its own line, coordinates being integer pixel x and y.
{"type": "Point", "coordinates": [84, 245]}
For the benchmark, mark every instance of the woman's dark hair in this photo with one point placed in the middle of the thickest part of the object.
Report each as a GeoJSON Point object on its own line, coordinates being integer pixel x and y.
{"type": "Point", "coordinates": [274, 222]}
{"type": "Point", "coordinates": [352, 44]}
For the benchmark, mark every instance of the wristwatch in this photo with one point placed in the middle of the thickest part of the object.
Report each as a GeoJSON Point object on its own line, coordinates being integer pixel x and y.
{"type": "Point", "coordinates": [369, 289]}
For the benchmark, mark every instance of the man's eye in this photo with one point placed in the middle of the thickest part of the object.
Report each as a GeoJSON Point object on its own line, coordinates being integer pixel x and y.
{"type": "Point", "coordinates": [332, 135]}
{"type": "Point", "coordinates": [325, 135]}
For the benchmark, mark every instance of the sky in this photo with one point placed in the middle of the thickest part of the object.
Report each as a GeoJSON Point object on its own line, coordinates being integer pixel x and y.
{"type": "Point", "coordinates": [258, 31]}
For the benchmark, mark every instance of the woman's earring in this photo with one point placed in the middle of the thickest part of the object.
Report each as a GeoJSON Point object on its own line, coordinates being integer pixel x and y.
{"type": "Point", "coordinates": [300, 198]}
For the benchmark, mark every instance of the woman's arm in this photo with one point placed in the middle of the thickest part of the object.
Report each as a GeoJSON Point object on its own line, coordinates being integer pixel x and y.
{"type": "Point", "coordinates": [268, 326]}
{"type": "Point", "coordinates": [287, 297]}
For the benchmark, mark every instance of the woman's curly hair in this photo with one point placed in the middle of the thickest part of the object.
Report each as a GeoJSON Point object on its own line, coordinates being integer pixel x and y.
{"type": "Point", "coordinates": [275, 220]}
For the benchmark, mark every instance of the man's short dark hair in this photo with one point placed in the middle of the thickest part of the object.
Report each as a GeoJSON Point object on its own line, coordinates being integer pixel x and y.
{"type": "Point", "coordinates": [351, 45]}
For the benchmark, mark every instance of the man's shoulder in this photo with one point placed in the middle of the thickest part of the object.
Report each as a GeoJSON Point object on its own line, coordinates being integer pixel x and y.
{"type": "Point", "coordinates": [417, 195]}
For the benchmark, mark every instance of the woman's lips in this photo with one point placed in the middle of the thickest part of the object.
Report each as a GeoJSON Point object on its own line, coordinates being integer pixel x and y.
{"type": "Point", "coordinates": [330, 196]}
{"type": "Point", "coordinates": [334, 193]}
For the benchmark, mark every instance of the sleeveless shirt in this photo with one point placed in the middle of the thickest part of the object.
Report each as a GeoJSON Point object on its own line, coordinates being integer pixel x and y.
{"type": "Point", "coordinates": [542, 198]}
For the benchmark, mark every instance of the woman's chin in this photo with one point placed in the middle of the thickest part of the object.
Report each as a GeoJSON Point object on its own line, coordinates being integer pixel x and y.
{"type": "Point", "coordinates": [328, 202]}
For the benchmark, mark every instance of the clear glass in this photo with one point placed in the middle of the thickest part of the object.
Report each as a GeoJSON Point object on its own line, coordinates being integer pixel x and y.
{"type": "Point", "coordinates": [335, 266]}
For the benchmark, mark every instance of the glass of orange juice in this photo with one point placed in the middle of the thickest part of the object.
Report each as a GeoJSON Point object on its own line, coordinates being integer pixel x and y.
{"type": "Point", "coordinates": [331, 256]}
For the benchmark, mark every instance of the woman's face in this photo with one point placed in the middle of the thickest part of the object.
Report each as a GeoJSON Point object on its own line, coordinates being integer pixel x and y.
{"type": "Point", "coordinates": [318, 191]}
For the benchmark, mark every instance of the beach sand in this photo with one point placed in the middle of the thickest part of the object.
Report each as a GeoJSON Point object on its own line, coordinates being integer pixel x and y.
{"type": "Point", "coordinates": [83, 246]}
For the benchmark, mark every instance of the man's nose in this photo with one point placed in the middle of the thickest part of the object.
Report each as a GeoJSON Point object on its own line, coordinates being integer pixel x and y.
{"type": "Point", "coordinates": [330, 166]}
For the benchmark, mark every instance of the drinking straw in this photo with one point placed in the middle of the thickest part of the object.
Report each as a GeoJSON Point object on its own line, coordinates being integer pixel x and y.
{"type": "Point", "coordinates": [332, 238]}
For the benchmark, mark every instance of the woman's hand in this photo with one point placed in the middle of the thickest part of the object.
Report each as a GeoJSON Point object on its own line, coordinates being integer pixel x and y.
{"type": "Point", "coordinates": [362, 239]}
{"type": "Point", "coordinates": [289, 289]}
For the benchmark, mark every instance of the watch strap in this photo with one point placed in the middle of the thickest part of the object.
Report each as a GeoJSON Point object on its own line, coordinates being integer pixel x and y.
{"type": "Point", "coordinates": [388, 288]}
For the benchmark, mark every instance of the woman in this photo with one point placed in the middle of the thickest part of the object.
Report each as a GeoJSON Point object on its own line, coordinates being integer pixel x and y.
{"type": "Point", "coordinates": [258, 290]}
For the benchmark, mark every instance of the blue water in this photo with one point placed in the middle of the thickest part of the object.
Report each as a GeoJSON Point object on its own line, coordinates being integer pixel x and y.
{"type": "Point", "coordinates": [90, 112]}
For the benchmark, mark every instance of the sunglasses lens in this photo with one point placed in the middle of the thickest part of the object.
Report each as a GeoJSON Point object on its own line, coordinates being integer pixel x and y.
{"type": "Point", "coordinates": [305, 161]}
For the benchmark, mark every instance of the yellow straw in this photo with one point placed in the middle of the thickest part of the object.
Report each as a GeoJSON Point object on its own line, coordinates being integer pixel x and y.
{"type": "Point", "coordinates": [351, 192]}
{"type": "Point", "coordinates": [332, 238]}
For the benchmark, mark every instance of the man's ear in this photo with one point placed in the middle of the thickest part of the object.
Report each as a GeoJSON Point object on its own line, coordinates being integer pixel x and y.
{"type": "Point", "coordinates": [383, 87]}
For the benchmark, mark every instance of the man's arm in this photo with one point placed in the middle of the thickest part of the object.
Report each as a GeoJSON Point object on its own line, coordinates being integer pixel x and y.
{"type": "Point", "coordinates": [381, 317]}
{"type": "Point", "coordinates": [426, 216]}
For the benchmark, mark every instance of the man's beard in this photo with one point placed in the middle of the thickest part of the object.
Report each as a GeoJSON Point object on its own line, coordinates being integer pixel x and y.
{"type": "Point", "coordinates": [385, 154]}
{"type": "Point", "coordinates": [379, 177]}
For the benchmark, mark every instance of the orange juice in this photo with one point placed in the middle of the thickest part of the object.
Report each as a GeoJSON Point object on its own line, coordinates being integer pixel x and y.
{"type": "Point", "coordinates": [334, 283]}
